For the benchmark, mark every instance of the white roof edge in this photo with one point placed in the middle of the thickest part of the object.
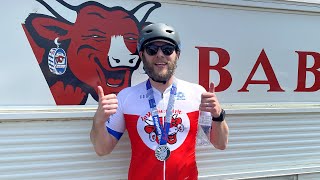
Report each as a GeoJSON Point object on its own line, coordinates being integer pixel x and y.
{"type": "Point", "coordinates": [41, 113]}
{"type": "Point", "coordinates": [290, 5]}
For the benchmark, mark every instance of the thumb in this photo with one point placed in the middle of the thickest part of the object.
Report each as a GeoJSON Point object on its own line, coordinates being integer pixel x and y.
{"type": "Point", "coordinates": [100, 92]}
{"type": "Point", "coordinates": [211, 87]}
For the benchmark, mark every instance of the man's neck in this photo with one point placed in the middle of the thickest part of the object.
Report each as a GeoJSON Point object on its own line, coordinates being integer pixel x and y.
{"type": "Point", "coordinates": [161, 86]}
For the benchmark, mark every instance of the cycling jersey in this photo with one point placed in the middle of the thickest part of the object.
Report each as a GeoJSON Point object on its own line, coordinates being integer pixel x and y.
{"type": "Point", "coordinates": [133, 114]}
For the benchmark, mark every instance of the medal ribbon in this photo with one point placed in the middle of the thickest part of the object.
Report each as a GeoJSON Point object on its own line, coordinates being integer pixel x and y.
{"type": "Point", "coordinates": [162, 133]}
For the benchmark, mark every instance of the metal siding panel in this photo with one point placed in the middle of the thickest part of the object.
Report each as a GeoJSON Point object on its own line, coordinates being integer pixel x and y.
{"type": "Point", "coordinates": [311, 176]}
{"type": "Point", "coordinates": [262, 143]}
{"type": "Point", "coordinates": [293, 177]}
{"type": "Point", "coordinates": [57, 150]}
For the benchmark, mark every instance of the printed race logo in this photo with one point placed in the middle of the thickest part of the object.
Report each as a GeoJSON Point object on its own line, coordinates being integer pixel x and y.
{"type": "Point", "coordinates": [97, 48]}
{"type": "Point", "coordinates": [178, 131]}
{"type": "Point", "coordinates": [57, 60]}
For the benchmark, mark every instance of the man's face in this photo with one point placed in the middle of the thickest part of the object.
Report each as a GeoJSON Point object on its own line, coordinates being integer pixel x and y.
{"type": "Point", "coordinates": [159, 60]}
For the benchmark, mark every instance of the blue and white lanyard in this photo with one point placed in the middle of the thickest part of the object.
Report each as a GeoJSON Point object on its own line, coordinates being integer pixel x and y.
{"type": "Point", "coordinates": [162, 133]}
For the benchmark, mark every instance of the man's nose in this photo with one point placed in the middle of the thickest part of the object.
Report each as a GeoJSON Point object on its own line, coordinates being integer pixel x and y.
{"type": "Point", "coordinates": [159, 52]}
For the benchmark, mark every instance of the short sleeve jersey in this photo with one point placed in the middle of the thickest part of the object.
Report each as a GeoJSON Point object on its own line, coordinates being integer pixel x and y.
{"type": "Point", "coordinates": [134, 115]}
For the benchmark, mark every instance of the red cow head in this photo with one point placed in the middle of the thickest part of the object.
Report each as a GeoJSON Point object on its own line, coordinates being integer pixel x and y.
{"type": "Point", "coordinates": [100, 47]}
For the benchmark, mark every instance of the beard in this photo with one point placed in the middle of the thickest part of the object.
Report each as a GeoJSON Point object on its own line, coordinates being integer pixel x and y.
{"type": "Point", "coordinates": [159, 76]}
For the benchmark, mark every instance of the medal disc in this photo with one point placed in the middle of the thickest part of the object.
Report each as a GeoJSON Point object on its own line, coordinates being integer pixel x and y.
{"type": "Point", "coordinates": [162, 152]}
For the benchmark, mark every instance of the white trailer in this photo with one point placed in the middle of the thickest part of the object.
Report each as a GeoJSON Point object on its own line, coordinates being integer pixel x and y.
{"type": "Point", "coordinates": [263, 55]}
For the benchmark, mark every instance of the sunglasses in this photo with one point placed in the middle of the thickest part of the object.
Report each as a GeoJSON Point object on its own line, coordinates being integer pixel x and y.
{"type": "Point", "coordinates": [166, 49]}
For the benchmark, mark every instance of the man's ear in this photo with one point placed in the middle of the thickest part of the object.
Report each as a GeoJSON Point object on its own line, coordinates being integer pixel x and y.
{"type": "Point", "coordinates": [178, 55]}
{"type": "Point", "coordinates": [140, 54]}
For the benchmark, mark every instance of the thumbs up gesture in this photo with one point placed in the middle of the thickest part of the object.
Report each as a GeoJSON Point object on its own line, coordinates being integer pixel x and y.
{"type": "Point", "coordinates": [108, 105]}
{"type": "Point", "coordinates": [209, 102]}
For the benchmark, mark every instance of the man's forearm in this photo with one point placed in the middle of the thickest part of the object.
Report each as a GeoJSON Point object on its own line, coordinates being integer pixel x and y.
{"type": "Point", "coordinates": [219, 134]}
{"type": "Point", "coordinates": [102, 141]}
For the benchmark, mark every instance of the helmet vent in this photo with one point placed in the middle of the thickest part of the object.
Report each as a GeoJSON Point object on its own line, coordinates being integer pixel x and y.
{"type": "Point", "coordinates": [169, 31]}
{"type": "Point", "coordinates": [149, 31]}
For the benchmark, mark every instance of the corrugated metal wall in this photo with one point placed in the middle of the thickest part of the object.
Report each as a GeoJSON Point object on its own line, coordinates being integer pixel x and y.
{"type": "Point", "coordinates": [266, 142]}
{"type": "Point", "coordinates": [263, 142]}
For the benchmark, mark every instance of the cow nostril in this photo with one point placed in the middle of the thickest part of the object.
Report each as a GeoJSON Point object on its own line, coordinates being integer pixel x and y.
{"type": "Point", "coordinates": [117, 60]}
{"type": "Point", "coordinates": [131, 60]}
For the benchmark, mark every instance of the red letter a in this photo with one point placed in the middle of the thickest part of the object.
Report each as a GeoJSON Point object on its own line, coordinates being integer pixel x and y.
{"type": "Point", "coordinates": [272, 80]}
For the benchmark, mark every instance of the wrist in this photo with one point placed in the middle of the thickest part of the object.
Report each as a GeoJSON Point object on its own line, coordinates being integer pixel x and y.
{"type": "Point", "coordinates": [98, 121]}
{"type": "Point", "coordinates": [220, 118]}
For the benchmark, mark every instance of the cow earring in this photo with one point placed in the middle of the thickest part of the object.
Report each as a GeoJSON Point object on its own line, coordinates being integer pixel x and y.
{"type": "Point", "coordinates": [57, 59]}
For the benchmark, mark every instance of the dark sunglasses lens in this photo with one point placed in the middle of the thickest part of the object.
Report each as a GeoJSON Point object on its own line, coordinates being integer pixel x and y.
{"type": "Point", "coordinates": [167, 49]}
{"type": "Point", "coordinates": [152, 50]}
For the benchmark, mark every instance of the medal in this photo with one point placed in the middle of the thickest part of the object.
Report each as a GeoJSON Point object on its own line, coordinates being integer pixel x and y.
{"type": "Point", "coordinates": [162, 152]}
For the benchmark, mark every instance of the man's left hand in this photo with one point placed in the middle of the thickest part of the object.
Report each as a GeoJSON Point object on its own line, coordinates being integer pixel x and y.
{"type": "Point", "coordinates": [210, 103]}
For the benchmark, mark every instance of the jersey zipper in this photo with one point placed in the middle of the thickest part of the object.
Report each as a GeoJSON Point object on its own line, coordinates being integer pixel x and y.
{"type": "Point", "coordinates": [163, 109]}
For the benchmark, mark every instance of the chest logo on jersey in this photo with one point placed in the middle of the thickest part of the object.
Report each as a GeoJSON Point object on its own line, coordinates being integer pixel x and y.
{"type": "Point", "coordinates": [176, 126]}
{"type": "Point", "coordinates": [178, 131]}
{"type": "Point", "coordinates": [178, 96]}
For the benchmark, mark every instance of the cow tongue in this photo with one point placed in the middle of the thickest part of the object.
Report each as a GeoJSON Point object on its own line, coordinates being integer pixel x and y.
{"type": "Point", "coordinates": [114, 82]}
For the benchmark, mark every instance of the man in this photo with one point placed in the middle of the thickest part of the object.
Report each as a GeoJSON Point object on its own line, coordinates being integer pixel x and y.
{"type": "Point", "coordinates": [161, 114]}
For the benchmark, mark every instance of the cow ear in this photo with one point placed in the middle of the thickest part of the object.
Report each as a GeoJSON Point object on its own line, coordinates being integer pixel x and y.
{"type": "Point", "coordinates": [51, 28]}
{"type": "Point", "coordinates": [149, 7]}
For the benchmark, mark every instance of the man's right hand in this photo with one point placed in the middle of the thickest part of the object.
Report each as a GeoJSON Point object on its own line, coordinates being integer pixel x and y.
{"type": "Point", "coordinates": [108, 105]}
{"type": "Point", "coordinates": [102, 141]}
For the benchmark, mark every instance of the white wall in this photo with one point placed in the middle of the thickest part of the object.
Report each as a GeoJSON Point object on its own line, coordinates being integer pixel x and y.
{"type": "Point", "coordinates": [242, 28]}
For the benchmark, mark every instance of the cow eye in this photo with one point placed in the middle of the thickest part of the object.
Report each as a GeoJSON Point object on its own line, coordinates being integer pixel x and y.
{"type": "Point", "coordinates": [96, 36]}
{"type": "Point", "coordinates": [93, 36]}
{"type": "Point", "coordinates": [130, 37]}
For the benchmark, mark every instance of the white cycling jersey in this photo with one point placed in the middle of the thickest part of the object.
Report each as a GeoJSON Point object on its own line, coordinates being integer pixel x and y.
{"type": "Point", "coordinates": [134, 115]}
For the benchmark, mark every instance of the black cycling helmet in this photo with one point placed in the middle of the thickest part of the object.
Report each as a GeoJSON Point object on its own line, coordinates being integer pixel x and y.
{"type": "Point", "coordinates": [158, 31]}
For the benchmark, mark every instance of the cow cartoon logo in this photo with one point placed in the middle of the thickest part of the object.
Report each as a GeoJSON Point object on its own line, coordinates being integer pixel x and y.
{"type": "Point", "coordinates": [177, 132]}
{"type": "Point", "coordinates": [97, 48]}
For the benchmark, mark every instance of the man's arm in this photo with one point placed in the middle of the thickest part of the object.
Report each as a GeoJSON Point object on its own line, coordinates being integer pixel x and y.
{"type": "Point", "coordinates": [102, 141]}
{"type": "Point", "coordinates": [219, 129]}
{"type": "Point", "coordinates": [219, 134]}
